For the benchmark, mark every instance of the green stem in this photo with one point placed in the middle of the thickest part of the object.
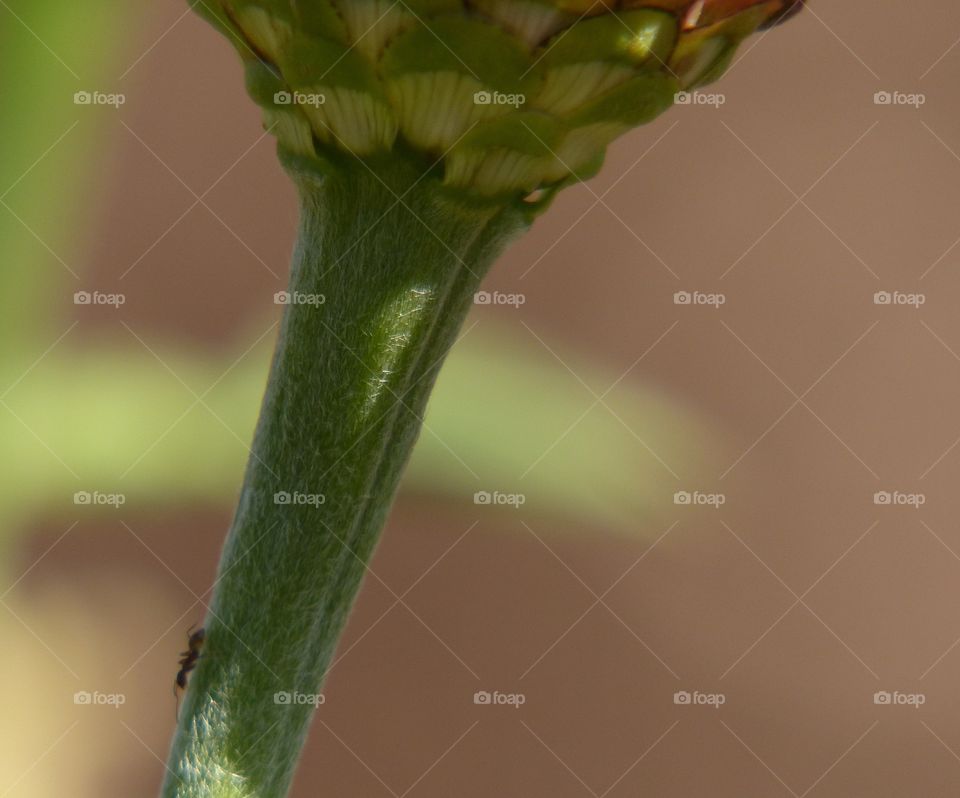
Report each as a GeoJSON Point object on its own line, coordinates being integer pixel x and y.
{"type": "Point", "coordinates": [344, 403]}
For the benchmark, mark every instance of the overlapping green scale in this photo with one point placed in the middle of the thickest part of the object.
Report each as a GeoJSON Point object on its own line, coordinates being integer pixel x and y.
{"type": "Point", "coordinates": [510, 96]}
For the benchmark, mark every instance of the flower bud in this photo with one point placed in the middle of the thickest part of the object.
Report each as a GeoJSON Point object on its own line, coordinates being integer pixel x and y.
{"type": "Point", "coordinates": [509, 96]}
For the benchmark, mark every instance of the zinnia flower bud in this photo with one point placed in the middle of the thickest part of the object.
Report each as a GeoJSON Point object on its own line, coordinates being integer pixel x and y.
{"type": "Point", "coordinates": [508, 96]}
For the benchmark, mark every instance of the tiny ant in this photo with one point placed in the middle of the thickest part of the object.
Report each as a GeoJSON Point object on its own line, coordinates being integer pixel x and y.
{"type": "Point", "coordinates": [188, 661]}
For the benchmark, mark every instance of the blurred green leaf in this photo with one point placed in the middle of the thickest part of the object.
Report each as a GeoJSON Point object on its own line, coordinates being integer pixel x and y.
{"type": "Point", "coordinates": [524, 423]}
{"type": "Point", "coordinates": [505, 417]}
{"type": "Point", "coordinates": [48, 51]}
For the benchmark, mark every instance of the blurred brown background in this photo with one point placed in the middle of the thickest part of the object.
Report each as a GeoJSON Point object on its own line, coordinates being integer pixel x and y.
{"type": "Point", "coordinates": [798, 199]}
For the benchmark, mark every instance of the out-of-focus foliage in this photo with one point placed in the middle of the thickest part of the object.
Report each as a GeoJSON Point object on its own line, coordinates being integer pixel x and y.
{"type": "Point", "coordinates": [525, 423]}
{"type": "Point", "coordinates": [48, 51]}
{"type": "Point", "coordinates": [505, 417]}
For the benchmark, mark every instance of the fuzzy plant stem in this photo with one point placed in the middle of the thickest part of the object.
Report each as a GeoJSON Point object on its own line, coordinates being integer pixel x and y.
{"type": "Point", "coordinates": [396, 260]}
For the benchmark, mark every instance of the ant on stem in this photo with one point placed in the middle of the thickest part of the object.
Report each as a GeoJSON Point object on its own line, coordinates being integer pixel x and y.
{"type": "Point", "coordinates": [188, 661]}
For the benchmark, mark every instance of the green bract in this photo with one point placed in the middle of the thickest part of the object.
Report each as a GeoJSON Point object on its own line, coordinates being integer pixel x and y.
{"type": "Point", "coordinates": [510, 96]}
